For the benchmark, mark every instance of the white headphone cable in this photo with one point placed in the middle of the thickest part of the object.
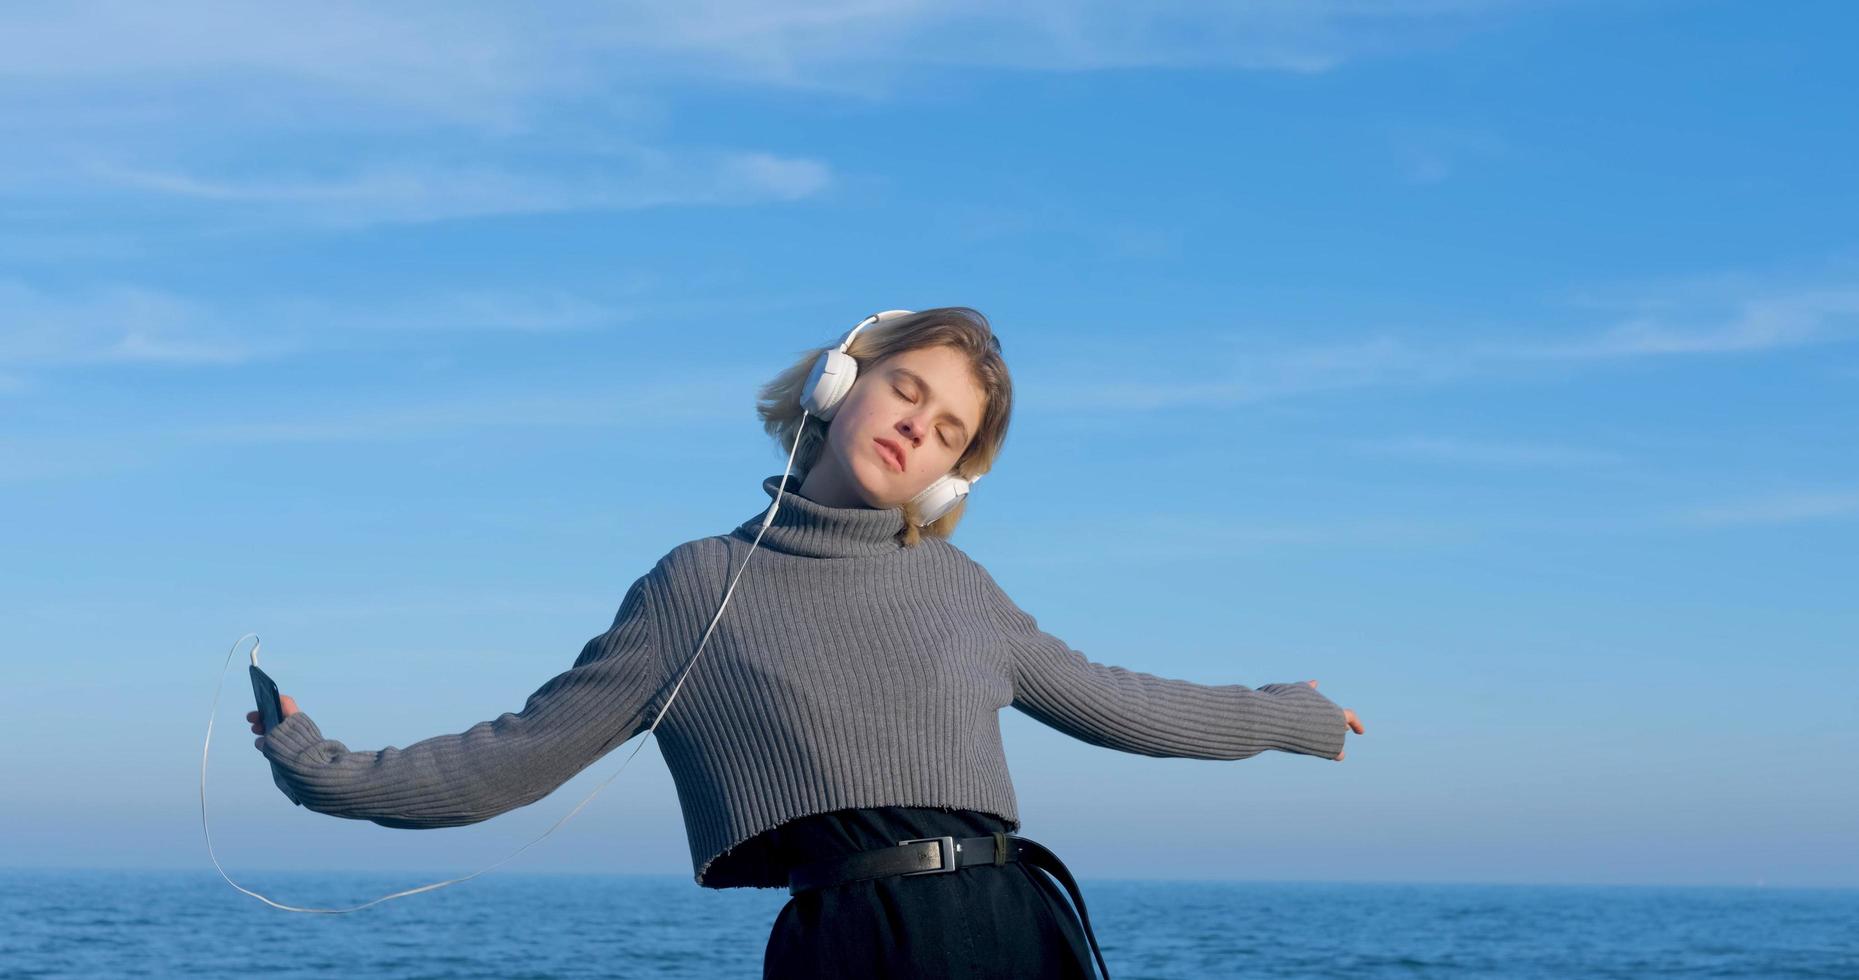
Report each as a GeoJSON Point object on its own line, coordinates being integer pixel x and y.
{"type": "Point", "coordinates": [766, 521]}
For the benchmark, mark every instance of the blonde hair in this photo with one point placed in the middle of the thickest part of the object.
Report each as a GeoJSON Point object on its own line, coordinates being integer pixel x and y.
{"type": "Point", "coordinates": [960, 328]}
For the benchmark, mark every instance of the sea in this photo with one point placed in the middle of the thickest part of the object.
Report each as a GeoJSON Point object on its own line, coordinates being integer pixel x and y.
{"type": "Point", "coordinates": [103, 923]}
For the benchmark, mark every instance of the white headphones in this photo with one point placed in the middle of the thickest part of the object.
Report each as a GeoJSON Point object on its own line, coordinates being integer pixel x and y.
{"type": "Point", "coordinates": [827, 386]}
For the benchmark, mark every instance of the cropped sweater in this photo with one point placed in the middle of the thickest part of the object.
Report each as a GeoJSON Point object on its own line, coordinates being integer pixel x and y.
{"type": "Point", "coordinates": [847, 671]}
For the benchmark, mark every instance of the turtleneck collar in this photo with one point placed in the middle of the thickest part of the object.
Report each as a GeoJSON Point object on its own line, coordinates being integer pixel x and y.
{"type": "Point", "coordinates": [812, 529]}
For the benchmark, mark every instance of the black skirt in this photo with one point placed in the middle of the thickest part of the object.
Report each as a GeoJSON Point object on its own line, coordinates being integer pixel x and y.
{"type": "Point", "coordinates": [983, 921]}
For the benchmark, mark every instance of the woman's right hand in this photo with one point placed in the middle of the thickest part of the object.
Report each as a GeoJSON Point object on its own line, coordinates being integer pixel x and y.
{"type": "Point", "coordinates": [290, 708]}
{"type": "Point", "coordinates": [1349, 719]}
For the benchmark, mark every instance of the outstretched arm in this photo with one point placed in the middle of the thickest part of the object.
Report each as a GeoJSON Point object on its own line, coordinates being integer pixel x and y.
{"type": "Point", "coordinates": [579, 715]}
{"type": "Point", "coordinates": [1132, 711]}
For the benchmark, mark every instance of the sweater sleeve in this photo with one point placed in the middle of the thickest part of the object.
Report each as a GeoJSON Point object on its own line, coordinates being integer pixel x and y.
{"type": "Point", "coordinates": [1132, 711]}
{"type": "Point", "coordinates": [494, 766]}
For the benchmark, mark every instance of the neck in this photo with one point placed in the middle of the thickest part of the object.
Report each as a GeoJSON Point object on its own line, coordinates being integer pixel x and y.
{"type": "Point", "coordinates": [828, 484]}
{"type": "Point", "coordinates": [807, 527]}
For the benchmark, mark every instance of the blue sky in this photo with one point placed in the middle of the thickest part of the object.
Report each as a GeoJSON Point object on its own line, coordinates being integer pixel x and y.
{"type": "Point", "coordinates": [1492, 362]}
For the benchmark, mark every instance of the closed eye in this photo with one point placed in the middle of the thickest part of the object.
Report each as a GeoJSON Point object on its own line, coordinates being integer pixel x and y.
{"type": "Point", "coordinates": [941, 434]}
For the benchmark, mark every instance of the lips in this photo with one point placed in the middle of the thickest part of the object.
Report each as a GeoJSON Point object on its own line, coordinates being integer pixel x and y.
{"type": "Point", "coordinates": [892, 453]}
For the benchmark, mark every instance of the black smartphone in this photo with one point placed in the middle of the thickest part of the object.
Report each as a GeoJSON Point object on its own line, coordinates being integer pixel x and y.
{"type": "Point", "coordinates": [270, 707]}
{"type": "Point", "coordinates": [270, 712]}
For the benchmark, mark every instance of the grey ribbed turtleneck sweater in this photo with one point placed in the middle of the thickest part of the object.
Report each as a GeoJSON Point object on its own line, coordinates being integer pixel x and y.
{"type": "Point", "coordinates": [848, 671]}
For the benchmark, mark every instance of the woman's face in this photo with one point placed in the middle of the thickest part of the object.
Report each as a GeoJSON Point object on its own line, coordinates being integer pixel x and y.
{"type": "Point", "coordinates": [924, 403]}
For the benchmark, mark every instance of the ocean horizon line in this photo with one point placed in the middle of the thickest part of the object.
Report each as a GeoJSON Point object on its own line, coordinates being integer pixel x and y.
{"type": "Point", "coordinates": [1119, 879]}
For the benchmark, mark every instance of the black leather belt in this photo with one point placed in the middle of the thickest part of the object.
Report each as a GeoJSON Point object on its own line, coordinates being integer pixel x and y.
{"type": "Point", "coordinates": [938, 855]}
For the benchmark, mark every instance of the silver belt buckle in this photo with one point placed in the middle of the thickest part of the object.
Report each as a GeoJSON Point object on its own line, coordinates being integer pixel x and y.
{"type": "Point", "coordinates": [946, 848]}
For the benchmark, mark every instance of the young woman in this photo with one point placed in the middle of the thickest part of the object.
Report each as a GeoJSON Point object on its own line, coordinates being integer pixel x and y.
{"type": "Point", "coordinates": [847, 696]}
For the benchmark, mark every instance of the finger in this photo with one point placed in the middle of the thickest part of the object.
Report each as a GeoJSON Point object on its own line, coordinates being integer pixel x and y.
{"type": "Point", "coordinates": [259, 743]}
{"type": "Point", "coordinates": [1339, 756]}
{"type": "Point", "coordinates": [257, 729]}
{"type": "Point", "coordinates": [1311, 683]}
{"type": "Point", "coordinates": [289, 704]}
{"type": "Point", "coordinates": [251, 716]}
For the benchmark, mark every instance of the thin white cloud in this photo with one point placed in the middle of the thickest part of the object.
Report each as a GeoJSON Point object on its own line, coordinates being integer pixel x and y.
{"type": "Point", "coordinates": [456, 63]}
{"type": "Point", "coordinates": [1452, 450]}
{"type": "Point", "coordinates": [1161, 536]}
{"type": "Point", "coordinates": [1788, 319]}
{"type": "Point", "coordinates": [1781, 508]}
{"type": "Point", "coordinates": [1233, 366]}
{"type": "Point", "coordinates": [1430, 153]}
{"type": "Point", "coordinates": [25, 459]}
{"type": "Point", "coordinates": [59, 246]}
{"type": "Point", "coordinates": [122, 323]}
{"type": "Point", "coordinates": [152, 106]}
{"type": "Point", "coordinates": [537, 311]}
{"type": "Point", "coordinates": [1118, 237]}
{"type": "Point", "coordinates": [137, 346]}
{"type": "Point", "coordinates": [407, 193]}
{"type": "Point", "coordinates": [486, 62]}
{"type": "Point", "coordinates": [117, 323]}
{"type": "Point", "coordinates": [715, 396]}
{"type": "Point", "coordinates": [1255, 374]}
{"type": "Point", "coordinates": [312, 607]}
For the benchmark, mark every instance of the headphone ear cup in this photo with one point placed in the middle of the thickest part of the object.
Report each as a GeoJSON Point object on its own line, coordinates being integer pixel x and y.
{"type": "Point", "coordinates": [832, 377]}
{"type": "Point", "coordinates": [834, 372]}
{"type": "Point", "coordinates": [940, 498]}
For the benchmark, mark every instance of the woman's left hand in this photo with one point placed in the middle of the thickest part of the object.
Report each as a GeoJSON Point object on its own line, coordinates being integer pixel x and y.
{"type": "Point", "coordinates": [285, 701]}
{"type": "Point", "coordinates": [1349, 717]}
